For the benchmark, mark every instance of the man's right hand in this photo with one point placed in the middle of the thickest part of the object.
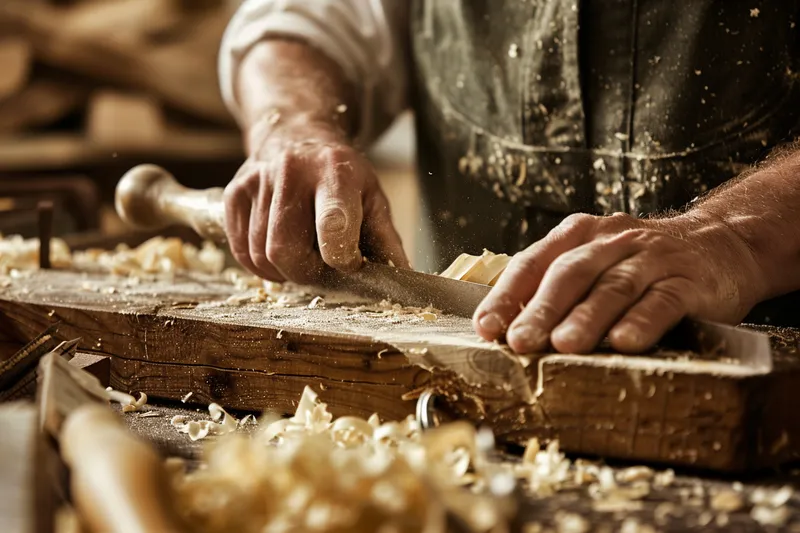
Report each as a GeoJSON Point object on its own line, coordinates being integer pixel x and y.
{"type": "Point", "coordinates": [305, 199]}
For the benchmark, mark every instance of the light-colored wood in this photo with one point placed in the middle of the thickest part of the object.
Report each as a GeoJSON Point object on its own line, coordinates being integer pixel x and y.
{"type": "Point", "coordinates": [119, 483]}
{"type": "Point", "coordinates": [26, 504]}
{"type": "Point", "coordinates": [149, 197]}
{"type": "Point", "coordinates": [16, 60]}
{"type": "Point", "coordinates": [124, 121]}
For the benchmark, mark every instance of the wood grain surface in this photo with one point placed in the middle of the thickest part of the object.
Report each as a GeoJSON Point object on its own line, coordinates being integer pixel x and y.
{"type": "Point", "coordinates": [170, 338]}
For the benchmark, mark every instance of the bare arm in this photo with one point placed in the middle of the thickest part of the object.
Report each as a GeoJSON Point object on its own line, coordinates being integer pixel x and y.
{"type": "Point", "coordinates": [285, 84]}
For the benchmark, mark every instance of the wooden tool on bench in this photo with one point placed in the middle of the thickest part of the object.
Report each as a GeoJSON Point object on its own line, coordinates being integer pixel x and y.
{"type": "Point", "coordinates": [118, 482]}
{"type": "Point", "coordinates": [149, 197]}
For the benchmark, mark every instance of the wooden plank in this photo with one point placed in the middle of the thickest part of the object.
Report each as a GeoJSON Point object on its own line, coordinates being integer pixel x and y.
{"type": "Point", "coordinates": [121, 121]}
{"type": "Point", "coordinates": [114, 43]}
{"type": "Point", "coordinates": [26, 496]}
{"type": "Point", "coordinates": [255, 357]}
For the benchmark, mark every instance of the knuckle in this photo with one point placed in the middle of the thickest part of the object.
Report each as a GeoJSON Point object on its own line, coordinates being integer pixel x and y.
{"type": "Point", "coordinates": [578, 221]}
{"type": "Point", "coordinates": [544, 312]}
{"type": "Point", "coordinates": [577, 262]}
{"type": "Point", "coordinates": [671, 294]}
{"type": "Point", "coordinates": [526, 263]}
{"type": "Point", "coordinates": [621, 282]}
{"type": "Point", "coordinates": [279, 252]}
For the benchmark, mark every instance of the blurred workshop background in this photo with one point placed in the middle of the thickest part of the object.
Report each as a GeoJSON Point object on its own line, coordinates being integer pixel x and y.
{"type": "Point", "coordinates": [90, 88]}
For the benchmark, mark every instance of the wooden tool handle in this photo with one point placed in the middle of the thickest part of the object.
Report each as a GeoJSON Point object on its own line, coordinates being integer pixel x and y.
{"type": "Point", "coordinates": [149, 197]}
{"type": "Point", "coordinates": [119, 483]}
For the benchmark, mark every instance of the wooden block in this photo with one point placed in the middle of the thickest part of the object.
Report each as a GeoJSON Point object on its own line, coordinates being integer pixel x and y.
{"type": "Point", "coordinates": [169, 338]}
{"type": "Point", "coordinates": [26, 493]}
{"type": "Point", "coordinates": [16, 61]}
{"type": "Point", "coordinates": [124, 121]}
{"type": "Point", "coordinates": [97, 365]}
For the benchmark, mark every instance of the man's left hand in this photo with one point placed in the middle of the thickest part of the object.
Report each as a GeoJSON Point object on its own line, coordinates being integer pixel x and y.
{"type": "Point", "coordinates": [629, 279]}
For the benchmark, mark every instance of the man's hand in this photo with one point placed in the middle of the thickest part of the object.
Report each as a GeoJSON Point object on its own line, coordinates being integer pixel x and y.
{"type": "Point", "coordinates": [304, 199]}
{"type": "Point", "coordinates": [632, 280]}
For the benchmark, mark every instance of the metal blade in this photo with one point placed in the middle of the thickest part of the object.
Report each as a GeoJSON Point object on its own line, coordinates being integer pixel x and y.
{"type": "Point", "coordinates": [411, 288]}
{"type": "Point", "coordinates": [720, 342]}
{"type": "Point", "coordinates": [709, 340]}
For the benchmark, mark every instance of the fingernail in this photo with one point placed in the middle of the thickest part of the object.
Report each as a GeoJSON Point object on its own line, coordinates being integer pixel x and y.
{"type": "Point", "coordinates": [527, 338]}
{"type": "Point", "coordinates": [492, 324]}
{"type": "Point", "coordinates": [627, 337]}
{"type": "Point", "coordinates": [568, 334]}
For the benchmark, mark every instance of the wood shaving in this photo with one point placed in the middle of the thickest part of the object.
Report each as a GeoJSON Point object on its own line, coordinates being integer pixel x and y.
{"type": "Point", "coordinates": [149, 414]}
{"type": "Point", "coordinates": [311, 472]}
{"type": "Point", "coordinates": [769, 516]}
{"type": "Point", "coordinates": [317, 302]}
{"type": "Point", "coordinates": [771, 497]}
{"type": "Point", "coordinates": [728, 501]}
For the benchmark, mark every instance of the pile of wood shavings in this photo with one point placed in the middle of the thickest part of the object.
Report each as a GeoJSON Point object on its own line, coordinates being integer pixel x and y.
{"type": "Point", "coordinates": [158, 255]}
{"type": "Point", "coordinates": [313, 473]}
{"type": "Point", "coordinates": [18, 254]}
{"type": "Point", "coordinates": [386, 308]}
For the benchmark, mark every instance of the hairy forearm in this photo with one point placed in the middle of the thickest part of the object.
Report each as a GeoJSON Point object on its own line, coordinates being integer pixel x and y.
{"type": "Point", "coordinates": [763, 209]}
{"type": "Point", "coordinates": [284, 83]}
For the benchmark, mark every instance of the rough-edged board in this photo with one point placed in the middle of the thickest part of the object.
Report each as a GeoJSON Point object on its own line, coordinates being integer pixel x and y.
{"type": "Point", "coordinates": [254, 358]}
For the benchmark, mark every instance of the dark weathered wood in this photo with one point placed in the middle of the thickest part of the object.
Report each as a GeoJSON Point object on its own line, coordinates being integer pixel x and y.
{"type": "Point", "coordinates": [97, 365]}
{"type": "Point", "coordinates": [171, 338]}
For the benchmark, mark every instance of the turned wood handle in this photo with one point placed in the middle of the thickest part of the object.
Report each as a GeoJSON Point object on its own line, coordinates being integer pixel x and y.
{"type": "Point", "coordinates": [119, 483]}
{"type": "Point", "coordinates": [149, 197]}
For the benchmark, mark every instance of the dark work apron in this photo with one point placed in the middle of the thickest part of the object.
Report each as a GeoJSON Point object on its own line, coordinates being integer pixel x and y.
{"type": "Point", "coordinates": [530, 110]}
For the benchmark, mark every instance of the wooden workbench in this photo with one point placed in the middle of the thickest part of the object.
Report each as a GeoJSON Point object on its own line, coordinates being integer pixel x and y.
{"type": "Point", "coordinates": [172, 337]}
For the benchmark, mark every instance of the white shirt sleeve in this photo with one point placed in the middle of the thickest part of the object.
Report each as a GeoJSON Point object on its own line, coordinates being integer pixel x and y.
{"type": "Point", "coordinates": [365, 37]}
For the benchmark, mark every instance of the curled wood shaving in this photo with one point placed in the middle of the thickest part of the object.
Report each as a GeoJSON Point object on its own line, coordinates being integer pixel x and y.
{"type": "Point", "coordinates": [129, 403]}
{"type": "Point", "coordinates": [311, 472]}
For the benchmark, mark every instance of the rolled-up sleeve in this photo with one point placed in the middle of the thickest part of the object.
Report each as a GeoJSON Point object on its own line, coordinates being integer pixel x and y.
{"type": "Point", "coordinates": [366, 38]}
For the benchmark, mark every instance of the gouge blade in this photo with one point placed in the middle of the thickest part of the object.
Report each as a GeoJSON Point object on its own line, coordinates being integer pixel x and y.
{"type": "Point", "coordinates": [709, 340]}
{"type": "Point", "coordinates": [410, 288]}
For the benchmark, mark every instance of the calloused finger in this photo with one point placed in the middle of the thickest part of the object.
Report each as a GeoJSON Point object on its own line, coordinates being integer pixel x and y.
{"type": "Point", "coordinates": [658, 311]}
{"type": "Point", "coordinates": [567, 281]}
{"type": "Point", "coordinates": [521, 279]}
{"type": "Point", "coordinates": [338, 216]}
